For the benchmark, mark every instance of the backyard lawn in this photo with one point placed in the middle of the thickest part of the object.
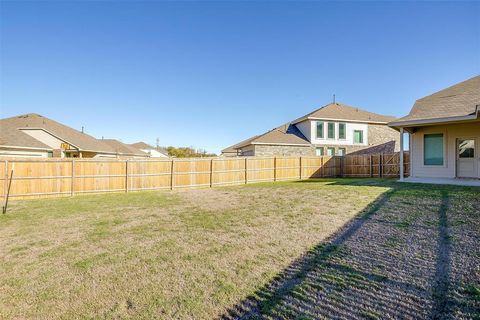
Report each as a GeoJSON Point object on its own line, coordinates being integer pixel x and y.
{"type": "Point", "coordinates": [350, 248]}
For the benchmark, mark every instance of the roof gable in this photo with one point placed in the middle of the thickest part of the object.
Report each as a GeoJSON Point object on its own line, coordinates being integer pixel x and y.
{"type": "Point", "coordinates": [122, 148]}
{"type": "Point", "coordinates": [339, 111]}
{"type": "Point", "coordinates": [287, 134]}
{"type": "Point", "coordinates": [145, 146]}
{"type": "Point", "coordinates": [461, 99]}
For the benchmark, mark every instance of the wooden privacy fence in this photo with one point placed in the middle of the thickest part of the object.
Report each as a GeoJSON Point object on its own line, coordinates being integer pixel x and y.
{"type": "Point", "coordinates": [57, 177]}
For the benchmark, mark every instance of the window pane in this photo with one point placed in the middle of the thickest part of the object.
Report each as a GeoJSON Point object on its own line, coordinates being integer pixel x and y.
{"type": "Point", "coordinates": [466, 149]}
{"type": "Point", "coordinates": [319, 130]}
{"type": "Point", "coordinates": [341, 151]}
{"type": "Point", "coordinates": [358, 136]}
{"type": "Point", "coordinates": [319, 151]}
{"type": "Point", "coordinates": [331, 151]}
{"type": "Point", "coordinates": [433, 149]}
{"type": "Point", "coordinates": [331, 130]}
{"type": "Point", "coordinates": [342, 131]}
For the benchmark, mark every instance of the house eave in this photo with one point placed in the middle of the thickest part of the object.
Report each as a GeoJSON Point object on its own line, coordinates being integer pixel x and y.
{"type": "Point", "coordinates": [436, 121]}
{"type": "Point", "coordinates": [280, 144]}
{"type": "Point", "coordinates": [25, 148]}
{"type": "Point", "coordinates": [52, 134]}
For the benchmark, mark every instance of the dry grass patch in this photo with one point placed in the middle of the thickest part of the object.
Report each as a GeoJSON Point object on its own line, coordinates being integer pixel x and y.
{"type": "Point", "coordinates": [183, 254]}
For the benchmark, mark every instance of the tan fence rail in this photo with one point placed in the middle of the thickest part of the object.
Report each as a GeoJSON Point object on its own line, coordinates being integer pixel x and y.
{"type": "Point", "coordinates": [57, 177]}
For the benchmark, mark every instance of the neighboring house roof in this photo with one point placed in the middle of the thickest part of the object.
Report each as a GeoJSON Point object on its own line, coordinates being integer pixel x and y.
{"type": "Point", "coordinates": [124, 149]}
{"type": "Point", "coordinates": [339, 111]}
{"type": "Point", "coordinates": [289, 134]}
{"type": "Point", "coordinates": [145, 146]}
{"type": "Point", "coordinates": [454, 103]}
{"type": "Point", "coordinates": [10, 135]}
{"type": "Point", "coordinates": [286, 134]}
{"type": "Point", "coordinates": [241, 144]}
{"type": "Point", "coordinates": [141, 145]}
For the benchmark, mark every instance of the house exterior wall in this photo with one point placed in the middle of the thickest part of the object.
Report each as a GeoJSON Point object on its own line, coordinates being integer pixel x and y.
{"type": "Point", "coordinates": [23, 153]}
{"type": "Point", "coordinates": [154, 153]}
{"type": "Point", "coordinates": [373, 134]}
{"type": "Point", "coordinates": [451, 133]}
{"type": "Point", "coordinates": [377, 138]}
{"type": "Point", "coordinates": [44, 137]}
{"type": "Point", "coordinates": [380, 134]}
{"type": "Point", "coordinates": [282, 150]}
{"type": "Point", "coordinates": [305, 128]}
{"type": "Point", "coordinates": [348, 141]}
{"type": "Point", "coordinates": [247, 151]}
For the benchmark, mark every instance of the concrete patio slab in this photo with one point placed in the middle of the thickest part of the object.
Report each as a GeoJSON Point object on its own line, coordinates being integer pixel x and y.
{"type": "Point", "coordinates": [449, 181]}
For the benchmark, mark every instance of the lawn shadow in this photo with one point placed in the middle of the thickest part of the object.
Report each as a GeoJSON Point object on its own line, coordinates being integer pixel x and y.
{"type": "Point", "coordinates": [387, 262]}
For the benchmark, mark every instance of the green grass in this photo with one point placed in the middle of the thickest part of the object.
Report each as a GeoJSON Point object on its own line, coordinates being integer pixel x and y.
{"type": "Point", "coordinates": [182, 254]}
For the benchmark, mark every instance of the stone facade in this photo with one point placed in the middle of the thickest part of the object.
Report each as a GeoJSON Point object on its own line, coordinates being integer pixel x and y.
{"type": "Point", "coordinates": [382, 134]}
{"type": "Point", "coordinates": [261, 150]}
{"type": "Point", "coordinates": [381, 139]}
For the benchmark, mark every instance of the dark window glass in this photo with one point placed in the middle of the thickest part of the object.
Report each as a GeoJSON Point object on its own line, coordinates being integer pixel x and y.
{"type": "Point", "coordinates": [433, 149]}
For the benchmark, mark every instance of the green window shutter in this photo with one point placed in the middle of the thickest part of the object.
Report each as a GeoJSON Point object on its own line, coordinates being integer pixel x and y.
{"type": "Point", "coordinates": [319, 151]}
{"type": "Point", "coordinates": [330, 151]}
{"type": "Point", "coordinates": [358, 136]}
{"type": "Point", "coordinates": [342, 132]}
{"type": "Point", "coordinates": [319, 130]}
{"type": "Point", "coordinates": [433, 149]}
{"type": "Point", "coordinates": [331, 130]}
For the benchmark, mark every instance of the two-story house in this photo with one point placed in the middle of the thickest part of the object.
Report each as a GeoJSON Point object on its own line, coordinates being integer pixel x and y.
{"type": "Point", "coordinates": [335, 129]}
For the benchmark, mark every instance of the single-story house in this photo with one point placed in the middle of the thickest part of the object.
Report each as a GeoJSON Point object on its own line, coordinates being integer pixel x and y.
{"type": "Point", "coordinates": [444, 131]}
{"type": "Point", "coordinates": [154, 152]}
{"type": "Point", "coordinates": [334, 129]}
{"type": "Point", "coordinates": [33, 135]}
{"type": "Point", "coordinates": [125, 150]}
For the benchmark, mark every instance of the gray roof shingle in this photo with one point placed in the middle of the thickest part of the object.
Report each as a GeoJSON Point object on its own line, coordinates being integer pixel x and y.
{"type": "Point", "coordinates": [288, 134]}
{"type": "Point", "coordinates": [462, 99]}
{"type": "Point", "coordinates": [10, 135]}
{"type": "Point", "coordinates": [344, 112]}
{"type": "Point", "coordinates": [123, 148]}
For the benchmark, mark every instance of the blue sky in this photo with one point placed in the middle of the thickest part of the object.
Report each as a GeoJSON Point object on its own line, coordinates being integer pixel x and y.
{"type": "Point", "coordinates": [209, 74]}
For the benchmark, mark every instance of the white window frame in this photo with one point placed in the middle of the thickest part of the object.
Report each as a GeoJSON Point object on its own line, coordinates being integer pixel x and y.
{"type": "Point", "coordinates": [345, 124]}
{"type": "Point", "coordinates": [363, 137]}
{"type": "Point", "coordinates": [334, 130]}
{"type": "Point", "coordinates": [445, 144]}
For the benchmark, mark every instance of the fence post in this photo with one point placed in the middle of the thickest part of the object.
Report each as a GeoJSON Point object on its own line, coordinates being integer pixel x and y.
{"type": "Point", "coordinates": [126, 175]}
{"type": "Point", "coordinates": [300, 173]}
{"type": "Point", "coordinates": [380, 165]}
{"type": "Point", "coordinates": [371, 166]}
{"type": "Point", "coordinates": [274, 169]}
{"type": "Point", "coordinates": [211, 173]}
{"type": "Point", "coordinates": [72, 183]}
{"type": "Point", "coordinates": [172, 167]}
{"type": "Point", "coordinates": [322, 173]}
{"type": "Point", "coordinates": [5, 185]}
{"type": "Point", "coordinates": [246, 171]}
{"type": "Point", "coordinates": [335, 166]}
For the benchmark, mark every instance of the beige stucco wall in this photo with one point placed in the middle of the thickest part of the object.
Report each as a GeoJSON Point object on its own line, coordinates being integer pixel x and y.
{"type": "Point", "coordinates": [451, 134]}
